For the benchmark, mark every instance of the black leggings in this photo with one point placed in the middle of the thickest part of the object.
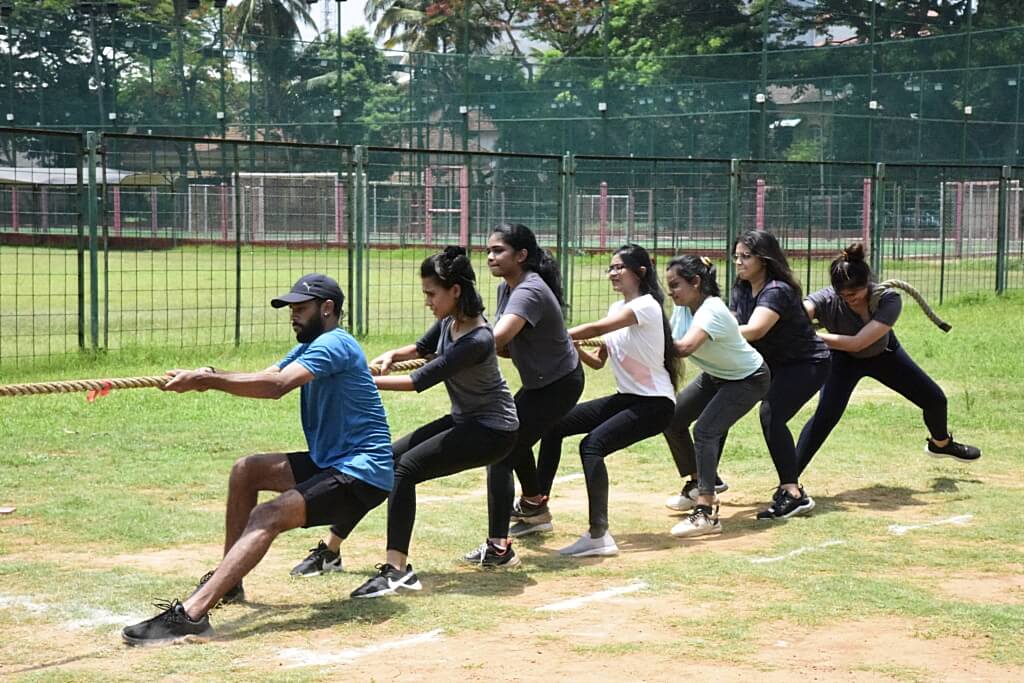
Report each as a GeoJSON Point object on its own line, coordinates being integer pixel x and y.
{"type": "Point", "coordinates": [611, 424]}
{"type": "Point", "coordinates": [792, 386]}
{"type": "Point", "coordinates": [438, 449]}
{"type": "Point", "coordinates": [539, 410]}
{"type": "Point", "coordinates": [895, 369]}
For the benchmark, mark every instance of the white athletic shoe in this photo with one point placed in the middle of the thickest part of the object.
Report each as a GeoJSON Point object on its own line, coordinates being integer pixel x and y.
{"type": "Point", "coordinates": [703, 521]}
{"type": "Point", "coordinates": [603, 546]}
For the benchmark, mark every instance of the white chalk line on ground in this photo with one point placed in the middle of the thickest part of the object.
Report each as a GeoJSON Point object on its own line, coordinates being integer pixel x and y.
{"type": "Point", "coordinates": [574, 603]}
{"type": "Point", "coordinates": [794, 553]}
{"type": "Point", "coordinates": [297, 656]}
{"type": "Point", "coordinates": [93, 617]}
{"type": "Point", "coordinates": [900, 529]}
{"type": "Point", "coordinates": [480, 493]}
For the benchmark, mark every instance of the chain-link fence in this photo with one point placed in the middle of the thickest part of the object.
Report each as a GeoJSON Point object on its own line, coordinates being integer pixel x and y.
{"type": "Point", "coordinates": [125, 240]}
{"type": "Point", "coordinates": [948, 97]}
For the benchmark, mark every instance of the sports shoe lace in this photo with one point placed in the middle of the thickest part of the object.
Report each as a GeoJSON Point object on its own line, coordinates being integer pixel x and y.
{"type": "Point", "coordinates": [168, 611]}
{"type": "Point", "coordinates": [483, 552]}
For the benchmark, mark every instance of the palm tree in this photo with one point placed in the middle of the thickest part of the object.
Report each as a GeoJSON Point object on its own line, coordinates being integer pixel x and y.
{"type": "Point", "coordinates": [269, 28]}
{"type": "Point", "coordinates": [430, 26]}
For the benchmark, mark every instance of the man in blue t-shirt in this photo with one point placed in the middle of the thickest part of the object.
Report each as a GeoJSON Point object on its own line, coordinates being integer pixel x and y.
{"type": "Point", "coordinates": [347, 471]}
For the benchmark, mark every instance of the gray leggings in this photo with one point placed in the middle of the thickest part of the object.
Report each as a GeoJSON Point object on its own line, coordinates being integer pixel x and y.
{"type": "Point", "coordinates": [715, 405]}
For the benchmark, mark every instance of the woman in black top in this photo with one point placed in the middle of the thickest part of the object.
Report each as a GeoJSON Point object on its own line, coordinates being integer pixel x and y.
{"type": "Point", "coordinates": [766, 301]}
{"type": "Point", "coordinates": [863, 345]}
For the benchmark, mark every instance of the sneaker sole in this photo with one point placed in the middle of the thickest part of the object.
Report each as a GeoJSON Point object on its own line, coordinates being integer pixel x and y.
{"type": "Point", "coordinates": [677, 506]}
{"type": "Point", "coordinates": [543, 518]}
{"type": "Point", "coordinates": [325, 570]}
{"type": "Point", "coordinates": [532, 529]}
{"type": "Point", "coordinates": [710, 531]}
{"type": "Point", "coordinates": [938, 456]}
{"type": "Point", "coordinates": [593, 552]}
{"type": "Point", "coordinates": [390, 591]}
{"type": "Point", "coordinates": [196, 638]}
{"type": "Point", "coordinates": [511, 564]}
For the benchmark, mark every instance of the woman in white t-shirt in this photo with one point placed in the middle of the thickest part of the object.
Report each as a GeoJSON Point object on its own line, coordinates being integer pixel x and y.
{"type": "Point", "coordinates": [733, 378]}
{"type": "Point", "coordinates": [638, 341]}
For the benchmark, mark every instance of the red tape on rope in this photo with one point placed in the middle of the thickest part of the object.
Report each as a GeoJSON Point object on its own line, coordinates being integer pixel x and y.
{"type": "Point", "coordinates": [94, 394]}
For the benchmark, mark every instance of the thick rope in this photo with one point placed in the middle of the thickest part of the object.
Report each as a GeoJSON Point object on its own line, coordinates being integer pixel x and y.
{"type": "Point", "coordinates": [76, 385]}
{"type": "Point", "coordinates": [410, 365]}
{"type": "Point", "coordinates": [880, 288]}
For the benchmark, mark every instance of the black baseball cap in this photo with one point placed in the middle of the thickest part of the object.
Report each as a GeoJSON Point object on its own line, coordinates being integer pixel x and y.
{"type": "Point", "coordinates": [312, 286]}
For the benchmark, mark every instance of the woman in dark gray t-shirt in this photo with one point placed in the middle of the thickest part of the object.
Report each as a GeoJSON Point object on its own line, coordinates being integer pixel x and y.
{"type": "Point", "coordinates": [529, 328]}
{"type": "Point", "coordinates": [481, 428]}
{"type": "Point", "coordinates": [864, 345]}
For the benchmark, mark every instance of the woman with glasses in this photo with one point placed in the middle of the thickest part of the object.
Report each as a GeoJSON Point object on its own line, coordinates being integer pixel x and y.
{"type": "Point", "coordinates": [638, 342]}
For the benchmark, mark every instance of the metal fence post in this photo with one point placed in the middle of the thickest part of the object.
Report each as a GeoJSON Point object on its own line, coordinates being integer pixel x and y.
{"type": "Point", "coordinates": [92, 142]}
{"type": "Point", "coordinates": [566, 197]}
{"type": "Point", "coordinates": [80, 238]}
{"type": "Point", "coordinates": [359, 215]}
{"type": "Point", "coordinates": [1001, 231]}
{"type": "Point", "coordinates": [235, 179]}
{"type": "Point", "coordinates": [732, 219]}
{"type": "Point", "coordinates": [877, 218]}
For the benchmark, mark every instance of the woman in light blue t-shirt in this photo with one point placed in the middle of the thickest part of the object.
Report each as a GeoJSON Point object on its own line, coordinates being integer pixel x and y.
{"type": "Point", "coordinates": [733, 379]}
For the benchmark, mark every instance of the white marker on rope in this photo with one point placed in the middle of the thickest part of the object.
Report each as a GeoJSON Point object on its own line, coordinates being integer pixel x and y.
{"type": "Point", "coordinates": [574, 603]}
{"type": "Point", "coordinates": [794, 553]}
{"type": "Point", "coordinates": [302, 657]}
{"type": "Point", "coordinates": [900, 529]}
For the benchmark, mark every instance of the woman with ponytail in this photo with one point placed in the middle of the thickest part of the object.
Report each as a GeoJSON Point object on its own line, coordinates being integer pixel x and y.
{"type": "Point", "coordinates": [733, 378]}
{"type": "Point", "coordinates": [638, 341]}
{"type": "Point", "coordinates": [529, 328]}
{"type": "Point", "coordinates": [481, 428]}
{"type": "Point", "coordinates": [863, 344]}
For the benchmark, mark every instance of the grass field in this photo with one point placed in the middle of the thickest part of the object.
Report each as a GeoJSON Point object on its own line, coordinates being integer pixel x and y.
{"type": "Point", "coordinates": [120, 502]}
{"type": "Point", "coordinates": [192, 296]}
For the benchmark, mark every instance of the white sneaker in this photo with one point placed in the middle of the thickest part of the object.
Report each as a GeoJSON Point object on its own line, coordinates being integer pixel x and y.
{"type": "Point", "coordinates": [703, 521]}
{"type": "Point", "coordinates": [603, 546]}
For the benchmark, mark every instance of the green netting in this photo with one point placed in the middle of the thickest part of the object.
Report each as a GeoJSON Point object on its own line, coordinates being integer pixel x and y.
{"type": "Point", "coordinates": [953, 97]}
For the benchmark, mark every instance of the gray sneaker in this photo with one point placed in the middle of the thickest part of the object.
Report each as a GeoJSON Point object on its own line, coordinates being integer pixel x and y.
{"type": "Point", "coordinates": [586, 546]}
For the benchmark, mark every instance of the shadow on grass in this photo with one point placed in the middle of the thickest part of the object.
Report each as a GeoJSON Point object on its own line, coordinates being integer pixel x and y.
{"type": "Point", "coordinates": [264, 618]}
{"type": "Point", "coordinates": [886, 498]}
{"type": "Point", "coordinates": [58, 662]}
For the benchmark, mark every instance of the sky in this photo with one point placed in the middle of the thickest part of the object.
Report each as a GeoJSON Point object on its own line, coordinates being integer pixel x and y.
{"type": "Point", "coordinates": [351, 16]}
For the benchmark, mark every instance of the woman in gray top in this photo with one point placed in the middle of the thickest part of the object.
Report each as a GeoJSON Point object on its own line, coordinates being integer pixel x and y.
{"type": "Point", "coordinates": [479, 431]}
{"type": "Point", "coordinates": [864, 345]}
{"type": "Point", "coordinates": [529, 328]}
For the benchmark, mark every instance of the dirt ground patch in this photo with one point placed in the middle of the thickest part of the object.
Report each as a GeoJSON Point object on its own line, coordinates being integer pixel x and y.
{"type": "Point", "coordinates": [993, 589]}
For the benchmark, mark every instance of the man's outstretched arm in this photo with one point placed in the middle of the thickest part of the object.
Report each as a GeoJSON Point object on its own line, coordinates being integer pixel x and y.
{"type": "Point", "coordinates": [270, 383]}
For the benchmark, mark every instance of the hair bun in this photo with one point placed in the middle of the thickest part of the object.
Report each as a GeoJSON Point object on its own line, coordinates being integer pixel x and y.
{"type": "Point", "coordinates": [853, 252]}
{"type": "Point", "coordinates": [452, 252]}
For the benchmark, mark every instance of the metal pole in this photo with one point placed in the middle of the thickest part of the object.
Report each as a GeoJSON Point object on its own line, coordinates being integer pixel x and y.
{"type": "Point", "coordinates": [92, 142]}
{"type": "Point", "coordinates": [1001, 231]}
{"type": "Point", "coordinates": [238, 246]}
{"type": "Point", "coordinates": [223, 113]}
{"type": "Point", "coordinates": [871, 83]}
{"type": "Point", "coordinates": [763, 129]}
{"type": "Point", "coordinates": [359, 216]}
{"type": "Point", "coordinates": [83, 198]}
{"type": "Point", "coordinates": [732, 216]}
{"type": "Point", "coordinates": [877, 217]}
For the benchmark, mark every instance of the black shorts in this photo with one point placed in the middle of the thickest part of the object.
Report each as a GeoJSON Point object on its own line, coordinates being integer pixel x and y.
{"type": "Point", "coordinates": [332, 497]}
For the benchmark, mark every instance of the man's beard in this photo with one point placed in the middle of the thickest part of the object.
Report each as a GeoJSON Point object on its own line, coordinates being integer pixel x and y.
{"type": "Point", "coordinates": [310, 331]}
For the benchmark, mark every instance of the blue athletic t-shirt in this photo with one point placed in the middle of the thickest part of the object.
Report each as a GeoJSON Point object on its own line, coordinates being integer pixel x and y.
{"type": "Point", "coordinates": [342, 414]}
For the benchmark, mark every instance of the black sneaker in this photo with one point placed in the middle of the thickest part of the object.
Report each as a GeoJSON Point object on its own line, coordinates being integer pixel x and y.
{"type": "Point", "coordinates": [172, 625]}
{"type": "Point", "coordinates": [687, 497]}
{"type": "Point", "coordinates": [388, 582]}
{"type": "Point", "coordinates": [233, 596]}
{"type": "Point", "coordinates": [487, 556]}
{"type": "Point", "coordinates": [785, 505]}
{"type": "Point", "coordinates": [321, 560]}
{"type": "Point", "coordinates": [957, 451]}
{"type": "Point", "coordinates": [534, 513]}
